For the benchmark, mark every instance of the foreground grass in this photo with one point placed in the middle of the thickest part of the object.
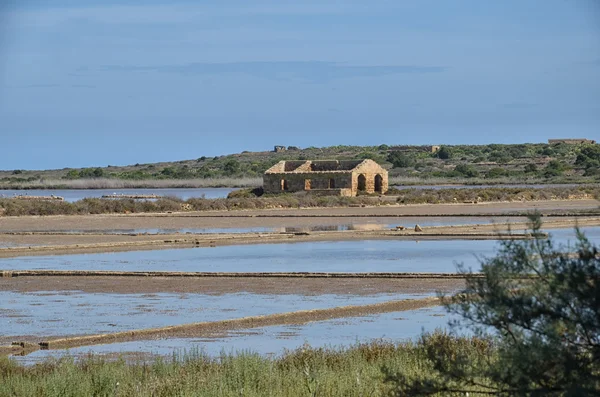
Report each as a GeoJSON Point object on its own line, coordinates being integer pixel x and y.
{"type": "Point", "coordinates": [244, 200]}
{"type": "Point", "coordinates": [357, 371]}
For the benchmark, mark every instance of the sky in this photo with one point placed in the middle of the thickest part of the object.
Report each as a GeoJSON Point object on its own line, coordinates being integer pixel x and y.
{"type": "Point", "coordinates": [92, 83]}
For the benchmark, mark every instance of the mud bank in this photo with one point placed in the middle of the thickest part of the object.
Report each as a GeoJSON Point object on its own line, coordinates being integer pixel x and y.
{"type": "Point", "coordinates": [284, 217]}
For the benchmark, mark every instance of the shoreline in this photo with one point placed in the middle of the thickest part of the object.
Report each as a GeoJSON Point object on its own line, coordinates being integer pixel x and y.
{"type": "Point", "coordinates": [208, 328]}
{"type": "Point", "coordinates": [249, 182]}
{"type": "Point", "coordinates": [48, 243]}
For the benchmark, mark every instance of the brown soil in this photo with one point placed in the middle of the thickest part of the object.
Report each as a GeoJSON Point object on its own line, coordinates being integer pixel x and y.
{"type": "Point", "coordinates": [284, 217]}
{"type": "Point", "coordinates": [44, 243]}
{"type": "Point", "coordinates": [227, 285]}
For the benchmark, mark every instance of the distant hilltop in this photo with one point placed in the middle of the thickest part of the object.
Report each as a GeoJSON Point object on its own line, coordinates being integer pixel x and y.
{"type": "Point", "coordinates": [566, 160]}
{"type": "Point", "coordinates": [572, 141]}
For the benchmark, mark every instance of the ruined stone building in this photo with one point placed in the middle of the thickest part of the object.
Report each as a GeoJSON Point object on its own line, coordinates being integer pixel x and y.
{"type": "Point", "coordinates": [327, 177]}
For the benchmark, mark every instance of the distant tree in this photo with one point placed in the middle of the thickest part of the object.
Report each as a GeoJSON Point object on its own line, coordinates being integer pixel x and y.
{"type": "Point", "coordinates": [98, 172]}
{"type": "Point", "coordinates": [548, 151]}
{"type": "Point", "coordinates": [530, 168]}
{"type": "Point", "coordinates": [589, 157]}
{"type": "Point", "coordinates": [466, 170]}
{"type": "Point", "coordinates": [231, 166]}
{"type": "Point", "coordinates": [168, 171]}
{"type": "Point", "coordinates": [17, 172]}
{"type": "Point", "coordinates": [539, 307]}
{"type": "Point", "coordinates": [496, 173]}
{"type": "Point", "coordinates": [401, 160]}
{"type": "Point", "coordinates": [72, 174]}
{"type": "Point", "coordinates": [444, 153]}
{"type": "Point", "coordinates": [555, 168]}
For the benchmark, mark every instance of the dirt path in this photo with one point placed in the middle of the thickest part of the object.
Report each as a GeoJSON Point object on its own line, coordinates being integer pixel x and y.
{"type": "Point", "coordinates": [218, 285]}
{"type": "Point", "coordinates": [285, 217]}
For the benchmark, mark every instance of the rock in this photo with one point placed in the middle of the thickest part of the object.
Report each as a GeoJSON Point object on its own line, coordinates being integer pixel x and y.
{"type": "Point", "coordinates": [400, 228]}
{"type": "Point", "coordinates": [418, 228]}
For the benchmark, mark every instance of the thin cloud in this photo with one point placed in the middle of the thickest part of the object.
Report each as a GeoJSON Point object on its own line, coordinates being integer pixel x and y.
{"type": "Point", "coordinates": [309, 71]}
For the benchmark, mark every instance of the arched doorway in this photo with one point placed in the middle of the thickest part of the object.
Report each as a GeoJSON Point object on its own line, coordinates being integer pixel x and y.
{"type": "Point", "coordinates": [331, 183]}
{"type": "Point", "coordinates": [362, 183]}
{"type": "Point", "coordinates": [378, 183]}
{"type": "Point", "coordinates": [284, 185]}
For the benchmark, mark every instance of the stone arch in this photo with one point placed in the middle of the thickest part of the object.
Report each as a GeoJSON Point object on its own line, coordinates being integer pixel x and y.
{"type": "Point", "coordinates": [378, 183]}
{"type": "Point", "coordinates": [362, 183]}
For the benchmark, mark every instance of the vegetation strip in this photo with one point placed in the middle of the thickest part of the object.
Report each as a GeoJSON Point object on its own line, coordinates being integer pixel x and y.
{"type": "Point", "coordinates": [211, 327]}
{"type": "Point", "coordinates": [248, 200]}
{"type": "Point", "coordinates": [388, 215]}
{"type": "Point", "coordinates": [95, 273]}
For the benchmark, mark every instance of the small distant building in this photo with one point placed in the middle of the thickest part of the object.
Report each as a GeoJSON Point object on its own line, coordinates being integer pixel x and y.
{"type": "Point", "coordinates": [326, 177]}
{"type": "Point", "coordinates": [422, 148]}
{"type": "Point", "coordinates": [571, 141]}
{"type": "Point", "coordinates": [279, 149]}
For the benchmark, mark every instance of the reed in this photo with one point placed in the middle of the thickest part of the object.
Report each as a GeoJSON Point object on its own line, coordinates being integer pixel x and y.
{"type": "Point", "coordinates": [243, 201]}
{"type": "Point", "coordinates": [329, 371]}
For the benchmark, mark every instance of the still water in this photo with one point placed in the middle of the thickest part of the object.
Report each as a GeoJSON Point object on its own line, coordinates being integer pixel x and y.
{"type": "Point", "coordinates": [50, 313]}
{"type": "Point", "coordinates": [328, 256]}
{"type": "Point", "coordinates": [373, 224]}
{"type": "Point", "coordinates": [78, 194]}
{"type": "Point", "coordinates": [274, 340]}
{"type": "Point", "coordinates": [71, 195]}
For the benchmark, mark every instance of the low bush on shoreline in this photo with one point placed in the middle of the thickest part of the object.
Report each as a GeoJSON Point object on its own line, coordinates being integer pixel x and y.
{"type": "Point", "coordinates": [491, 194]}
{"type": "Point", "coordinates": [355, 371]}
{"type": "Point", "coordinates": [247, 200]}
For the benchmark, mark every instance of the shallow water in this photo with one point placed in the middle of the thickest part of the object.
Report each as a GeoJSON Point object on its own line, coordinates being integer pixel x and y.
{"type": "Point", "coordinates": [341, 256]}
{"type": "Point", "coordinates": [327, 256]}
{"type": "Point", "coordinates": [50, 313]}
{"type": "Point", "coordinates": [375, 224]}
{"type": "Point", "coordinates": [274, 340]}
{"type": "Point", "coordinates": [71, 195]}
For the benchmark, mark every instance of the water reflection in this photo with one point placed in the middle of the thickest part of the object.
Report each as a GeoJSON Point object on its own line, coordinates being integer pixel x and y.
{"type": "Point", "coordinates": [72, 195]}
{"type": "Point", "coordinates": [48, 313]}
{"type": "Point", "coordinates": [273, 341]}
{"type": "Point", "coordinates": [377, 224]}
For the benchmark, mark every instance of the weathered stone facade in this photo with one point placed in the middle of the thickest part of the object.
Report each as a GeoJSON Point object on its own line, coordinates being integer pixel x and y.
{"type": "Point", "coordinates": [329, 177]}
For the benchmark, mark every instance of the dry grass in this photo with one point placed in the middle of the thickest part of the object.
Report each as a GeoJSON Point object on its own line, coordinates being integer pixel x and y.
{"type": "Point", "coordinates": [12, 207]}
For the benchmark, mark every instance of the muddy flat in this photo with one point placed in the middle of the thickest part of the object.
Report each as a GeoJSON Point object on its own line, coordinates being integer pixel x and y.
{"type": "Point", "coordinates": [57, 243]}
{"type": "Point", "coordinates": [282, 217]}
{"type": "Point", "coordinates": [218, 286]}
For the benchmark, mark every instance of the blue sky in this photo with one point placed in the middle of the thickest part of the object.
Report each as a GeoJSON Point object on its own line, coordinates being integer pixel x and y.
{"type": "Point", "coordinates": [92, 83]}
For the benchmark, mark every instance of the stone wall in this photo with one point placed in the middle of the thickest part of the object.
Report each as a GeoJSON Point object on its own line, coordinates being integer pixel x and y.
{"type": "Point", "coordinates": [338, 177]}
{"type": "Point", "coordinates": [297, 182]}
{"type": "Point", "coordinates": [369, 171]}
